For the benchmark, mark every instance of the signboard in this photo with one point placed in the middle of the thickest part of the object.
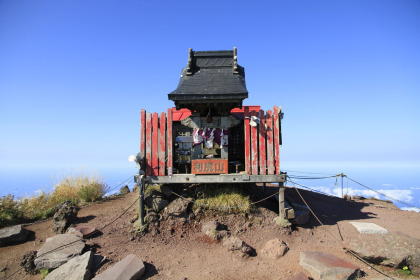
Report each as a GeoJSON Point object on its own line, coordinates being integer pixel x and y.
{"type": "Point", "coordinates": [209, 166]}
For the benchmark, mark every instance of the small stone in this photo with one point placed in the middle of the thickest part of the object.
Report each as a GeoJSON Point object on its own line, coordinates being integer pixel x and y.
{"type": "Point", "coordinates": [124, 190]}
{"type": "Point", "coordinates": [72, 230]}
{"type": "Point", "coordinates": [274, 249]}
{"type": "Point", "coordinates": [236, 244]}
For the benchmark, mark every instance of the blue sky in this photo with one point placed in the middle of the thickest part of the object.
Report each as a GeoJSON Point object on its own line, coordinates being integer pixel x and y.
{"type": "Point", "coordinates": [75, 74]}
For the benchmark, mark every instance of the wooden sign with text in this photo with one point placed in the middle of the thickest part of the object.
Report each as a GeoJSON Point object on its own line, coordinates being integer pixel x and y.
{"type": "Point", "coordinates": [209, 166]}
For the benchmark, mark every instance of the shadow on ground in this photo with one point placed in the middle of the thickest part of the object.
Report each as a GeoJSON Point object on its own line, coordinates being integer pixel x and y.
{"type": "Point", "coordinates": [329, 209]}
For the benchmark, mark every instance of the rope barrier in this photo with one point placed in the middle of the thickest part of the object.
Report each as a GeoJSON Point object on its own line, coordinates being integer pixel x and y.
{"type": "Point", "coordinates": [402, 202]}
{"type": "Point", "coordinates": [336, 185]}
{"type": "Point", "coordinates": [68, 244]}
{"type": "Point", "coordinates": [120, 184]}
{"type": "Point", "coordinates": [309, 172]}
{"type": "Point", "coordinates": [344, 248]}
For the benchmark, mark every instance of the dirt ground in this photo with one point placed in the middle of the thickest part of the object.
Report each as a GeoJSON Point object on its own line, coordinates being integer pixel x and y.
{"type": "Point", "coordinates": [181, 251]}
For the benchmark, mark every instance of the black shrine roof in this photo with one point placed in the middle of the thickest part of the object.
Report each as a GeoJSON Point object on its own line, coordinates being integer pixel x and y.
{"type": "Point", "coordinates": [211, 77]}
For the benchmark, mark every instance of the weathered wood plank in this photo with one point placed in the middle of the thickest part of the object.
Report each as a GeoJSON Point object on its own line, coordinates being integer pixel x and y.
{"type": "Point", "coordinates": [254, 147]}
{"type": "Point", "coordinates": [276, 138]}
{"type": "Point", "coordinates": [247, 141]}
{"type": "Point", "coordinates": [162, 143]}
{"type": "Point", "coordinates": [143, 136]}
{"type": "Point", "coordinates": [155, 144]}
{"type": "Point", "coordinates": [169, 142]}
{"type": "Point", "coordinates": [263, 165]}
{"type": "Point", "coordinates": [270, 155]}
{"type": "Point", "coordinates": [148, 144]}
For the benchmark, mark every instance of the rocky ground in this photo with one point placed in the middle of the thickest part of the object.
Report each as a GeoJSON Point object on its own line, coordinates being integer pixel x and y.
{"type": "Point", "coordinates": [177, 248]}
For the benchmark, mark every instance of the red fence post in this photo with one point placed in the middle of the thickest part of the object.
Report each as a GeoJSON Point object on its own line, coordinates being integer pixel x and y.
{"type": "Point", "coordinates": [169, 142]}
{"type": "Point", "coordinates": [270, 156]}
{"type": "Point", "coordinates": [276, 138]}
{"type": "Point", "coordinates": [162, 144]}
{"type": "Point", "coordinates": [155, 146]}
{"type": "Point", "coordinates": [148, 144]}
{"type": "Point", "coordinates": [263, 166]}
{"type": "Point", "coordinates": [247, 141]}
{"type": "Point", "coordinates": [254, 145]}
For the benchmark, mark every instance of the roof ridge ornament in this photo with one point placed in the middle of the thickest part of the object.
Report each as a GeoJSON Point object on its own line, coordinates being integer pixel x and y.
{"type": "Point", "coordinates": [189, 64]}
{"type": "Point", "coordinates": [235, 60]}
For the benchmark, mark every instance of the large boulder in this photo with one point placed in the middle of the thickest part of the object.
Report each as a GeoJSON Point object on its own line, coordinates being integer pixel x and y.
{"type": "Point", "coordinates": [65, 215]}
{"type": "Point", "coordinates": [130, 268]}
{"type": "Point", "coordinates": [394, 249]}
{"type": "Point", "coordinates": [179, 207]}
{"type": "Point", "coordinates": [57, 250]}
{"type": "Point", "coordinates": [77, 268]}
{"type": "Point", "coordinates": [324, 266]}
{"type": "Point", "coordinates": [13, 234]}
{"type": "Point", "coordinates": [274, 249]}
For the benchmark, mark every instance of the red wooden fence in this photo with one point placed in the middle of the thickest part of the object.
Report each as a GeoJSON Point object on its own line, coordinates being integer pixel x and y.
{"type": "Point", "coordinates": [262, 151]}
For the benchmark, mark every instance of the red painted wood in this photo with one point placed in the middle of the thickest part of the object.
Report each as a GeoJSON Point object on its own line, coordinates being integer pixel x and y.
{"type": "Point", "coordinates": [143, 136]}
{"type": "Point", "coordinates": [155, 147]}
{"type": "Point", "coordinates": [276, 138]}
{"type": "Point", "coordinates": [148, 162]}
{"type": "Point", "coordinates": [162, 143]}
{"type": "Point", "coordinates": [247, 141]}
{"type": "Point", "coordinates": [179, 115]}
{"type": "Point", "coordinates": [263, 164]}
{"type": "Point", "coordinates": [169, 142]}
{"type": "Point", "coordinates": [254, 147]}
{"type": "Point", "coordinates": [239, 112]}
{"type": "Point", "coordinates": [209, 166]}
{"type": "Point", "coordinates": [270, 154]}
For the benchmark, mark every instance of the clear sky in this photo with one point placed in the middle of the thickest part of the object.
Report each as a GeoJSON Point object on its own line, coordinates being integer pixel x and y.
{"type": "Point", "coordinates": [75, 74]}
